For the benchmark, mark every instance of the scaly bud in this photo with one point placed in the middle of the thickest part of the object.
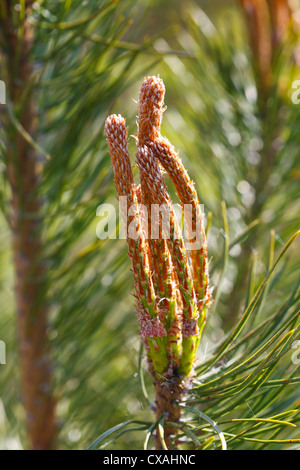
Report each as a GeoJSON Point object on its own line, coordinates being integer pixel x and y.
{"type": "Point", "coordinates": [151, 326]}
{"type": "Point", "coordinates": [151, 101]}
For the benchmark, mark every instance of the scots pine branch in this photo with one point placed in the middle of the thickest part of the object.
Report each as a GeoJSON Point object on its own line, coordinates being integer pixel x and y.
{"type": "Point", "coordinates": [171, 282]}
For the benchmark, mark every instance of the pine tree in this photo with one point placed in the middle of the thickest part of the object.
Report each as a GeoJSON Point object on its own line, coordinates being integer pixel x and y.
{"type": "Point", "coordinates": [73, 355]}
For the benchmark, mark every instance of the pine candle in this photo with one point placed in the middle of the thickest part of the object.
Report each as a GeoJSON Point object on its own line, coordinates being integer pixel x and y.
{"type": "Point", "coordinates": [171, 281]}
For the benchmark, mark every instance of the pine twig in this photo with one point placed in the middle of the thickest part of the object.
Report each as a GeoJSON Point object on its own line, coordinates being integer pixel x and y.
{"type": "Point", "coordinates": [172, 317]}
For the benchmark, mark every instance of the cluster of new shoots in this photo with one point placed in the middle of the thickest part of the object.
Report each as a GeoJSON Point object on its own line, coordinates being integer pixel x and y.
{"type": "Point", "coordinates": [170, 271]}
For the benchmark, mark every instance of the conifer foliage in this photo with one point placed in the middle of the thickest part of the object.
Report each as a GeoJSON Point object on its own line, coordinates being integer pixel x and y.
{"type": "Point", "coordinates": [171, 296]}
{"type": "Point", "coordinates": [74, 367]}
